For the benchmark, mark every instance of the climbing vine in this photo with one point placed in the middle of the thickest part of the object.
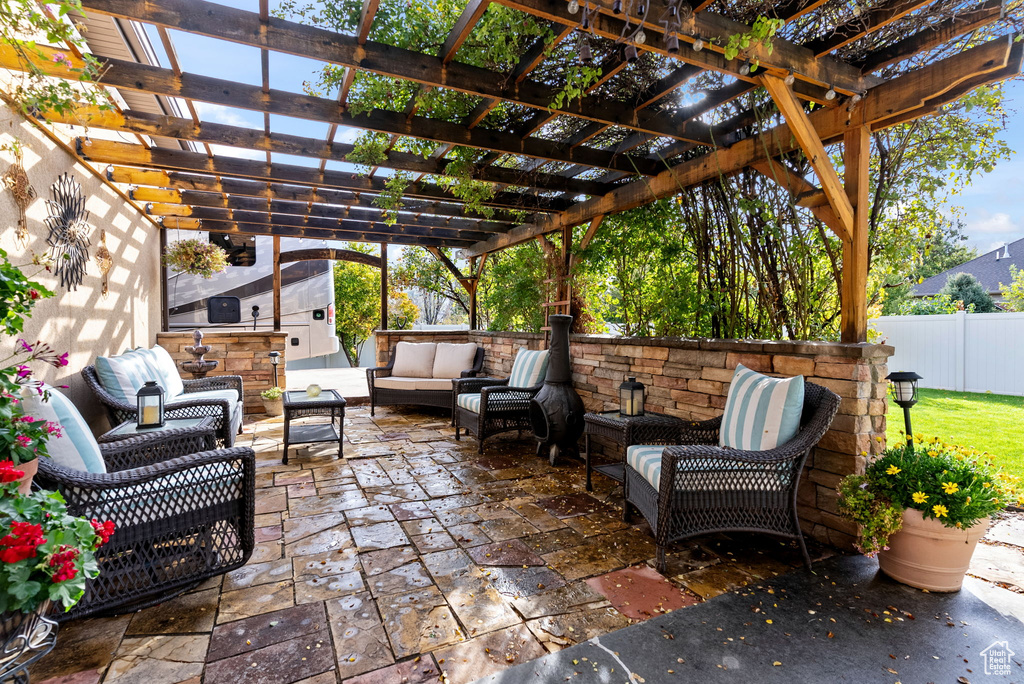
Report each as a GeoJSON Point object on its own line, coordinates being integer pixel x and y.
{"type": "Point", "coordinates": [761, 32]}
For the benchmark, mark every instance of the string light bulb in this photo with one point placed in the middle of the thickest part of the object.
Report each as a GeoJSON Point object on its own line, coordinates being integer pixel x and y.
{"type": "Point", "coordinates": [745, 68]}
{"type": "Point", "coordinates": [640, 37]}
{"type": "Point", "coordinates": [698, 44]}
{"type": "Point", "coordinates": [790, 78]}
{"type": "Point", "coordinates": [88, 141]}
{"type": "Point", "coordinates": [574, 7]}
{"type": "Point", "coordinates": [830, 94]}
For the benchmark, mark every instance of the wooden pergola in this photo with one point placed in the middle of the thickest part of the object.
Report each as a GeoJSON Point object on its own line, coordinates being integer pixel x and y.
{"type": "Point", "coordinates": [560, 184]}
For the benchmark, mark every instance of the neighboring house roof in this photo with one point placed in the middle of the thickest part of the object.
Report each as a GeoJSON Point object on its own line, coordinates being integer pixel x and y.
{"type": "Point", "coordinates": [990, 269]}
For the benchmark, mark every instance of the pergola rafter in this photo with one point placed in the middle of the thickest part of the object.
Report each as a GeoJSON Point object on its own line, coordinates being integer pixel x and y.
{"type": "Point", "coordinates": [557, 180]}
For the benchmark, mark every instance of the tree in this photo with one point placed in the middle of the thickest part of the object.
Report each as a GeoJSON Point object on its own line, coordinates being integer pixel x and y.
{"type": "Point", "coordinates": [402, 311]}
{"type": "Point", "coordinates": [357, 302]}
{"type": "Point", "coordinates": [1014, 292]}
{"type": "Point", "coordinates": [965, 288]}
{"type": "Point", "coordinates": [511, 290]}
{"type": "Point", "coordinates": [439, 291]}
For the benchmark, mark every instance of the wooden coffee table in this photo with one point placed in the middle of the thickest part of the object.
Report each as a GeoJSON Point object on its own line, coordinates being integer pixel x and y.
{"type": "Point", "coordinates": [298, 404]}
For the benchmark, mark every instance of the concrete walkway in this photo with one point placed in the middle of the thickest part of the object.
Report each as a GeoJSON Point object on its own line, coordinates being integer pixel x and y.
{"type": "Point", "coordinates": [349, 382]}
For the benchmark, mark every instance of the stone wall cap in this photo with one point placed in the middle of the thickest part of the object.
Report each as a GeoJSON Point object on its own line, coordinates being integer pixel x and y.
{"type": "Point", "coordinates": [213, 332]}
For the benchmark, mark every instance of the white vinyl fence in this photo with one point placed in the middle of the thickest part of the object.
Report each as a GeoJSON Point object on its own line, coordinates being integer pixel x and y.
{"type": "Point", "coordinates": [961, 351]}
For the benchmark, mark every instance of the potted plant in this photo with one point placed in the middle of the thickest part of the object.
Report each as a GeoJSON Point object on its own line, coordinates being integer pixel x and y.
{"type": "Point", "coordinates": [196, 257]}
{"type": "Point", "coordinates": [273, 404]}
{"type": "Point", "coordinates": [46, 557]}
{"type": "Point", "coordinates": [923, 511]}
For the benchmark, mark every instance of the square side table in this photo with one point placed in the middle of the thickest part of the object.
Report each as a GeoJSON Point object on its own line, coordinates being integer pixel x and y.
{"type": "Point", "coordinates": [298, 404]}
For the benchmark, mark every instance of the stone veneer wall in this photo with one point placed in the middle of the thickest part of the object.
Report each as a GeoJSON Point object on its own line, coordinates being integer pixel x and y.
{"type": "Point", "coordinates": [239, 352]}
{"type": "Point", "coordinates": [690, 379]}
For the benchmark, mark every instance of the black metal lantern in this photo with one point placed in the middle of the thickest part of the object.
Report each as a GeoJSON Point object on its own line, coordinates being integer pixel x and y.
{"type": "Point", "coordinates": [275, 359]}
{"type": "Point", "coordinates": [631, 398]}
{"type": "Point", "coordinates": [903, 388]}
{"type": "Point", "coordinates": [151, 405]}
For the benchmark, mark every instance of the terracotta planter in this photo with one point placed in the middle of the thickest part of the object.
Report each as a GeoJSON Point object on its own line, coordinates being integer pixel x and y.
{"type": "Point", "coordinates": [30, 469]}
{"type": "Point", "coordinates": [273, 407]}
{"type": "Point", "coordinates": [927, 555]}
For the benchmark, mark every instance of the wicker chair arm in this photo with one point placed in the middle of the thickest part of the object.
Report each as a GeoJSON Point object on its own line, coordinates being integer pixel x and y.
{"type": "Point", "coordinates": [475, 385]}
{"type": "Point", "coordinates": [701, 432]}
{"type": "Point", "coordinates": [177, 409]}
{"type": "Point", "coordinates": [142, 450]}
{"type": "Point", "coordinates": [715, 455]}
{"type": "Point", "coordinates": [499, 390]}
{"type": "Point", "coordinates": [478, 364]}
{"type": "Point", "coordinates": [217, 382]}
{"type": "Point", "coordinates": [68, 479]}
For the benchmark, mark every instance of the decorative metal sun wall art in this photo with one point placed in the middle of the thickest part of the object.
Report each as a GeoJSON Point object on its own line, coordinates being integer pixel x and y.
{"type": "Point", "coordinates": [69, 232]}
{"type": "Point", "coordinates": [16, 180]}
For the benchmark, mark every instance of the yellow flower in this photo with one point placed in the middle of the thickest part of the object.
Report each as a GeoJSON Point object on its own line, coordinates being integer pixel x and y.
{"type": "Point", "coordinates": [986, 485]}
{"type": "Point", "coordinates": [919, 497]}
{"type": "Point", "coordinates": [950, 487]}
{"type": "Point", "coordinates": [933, 454]}
{"type": "Point", "coordinates": [939, 510]}
{"type": "Point", "coordinates": [892, 470]}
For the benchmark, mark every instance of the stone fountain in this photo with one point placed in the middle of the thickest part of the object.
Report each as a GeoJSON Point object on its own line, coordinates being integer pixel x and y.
{"type": "Point", "coordinates": [198, 366]}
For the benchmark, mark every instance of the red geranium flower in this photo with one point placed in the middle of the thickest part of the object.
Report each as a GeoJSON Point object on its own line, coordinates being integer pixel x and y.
{"type": "Point", "coordinates": [21, 542]}
{"type": "Point", "coordinates": [103, 531]}
{"type": "Point", "coordinates": [8, 473]}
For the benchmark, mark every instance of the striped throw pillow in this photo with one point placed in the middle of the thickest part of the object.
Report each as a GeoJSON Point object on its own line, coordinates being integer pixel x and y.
{"type": "Point", "coordinates": [76, 448]}
{"type": "Point", "coordinates": [761, 412]}
{"type": "Point", "coordinates": [529, 368]}
{"type": "Point", "coordinates": [123, 376]}
{"type": "Point", "coordinates": [162, 369]}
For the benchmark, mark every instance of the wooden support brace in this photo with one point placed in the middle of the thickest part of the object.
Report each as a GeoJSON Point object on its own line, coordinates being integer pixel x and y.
{"type": "Point", "coordinates": [806, 193]}
{"type": "Point", "coordinates": [806, 135]}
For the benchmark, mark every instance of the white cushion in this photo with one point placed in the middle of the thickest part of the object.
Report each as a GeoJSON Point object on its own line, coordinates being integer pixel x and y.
{"type": "Point", "coordinates": [470, 402]}
{"type": "Point", "coordinates": [451, 359]}
{"type": "Point", "coordinates": [399, 383]}
{"type": "Point", "coordinates": [761, 412]}
{"type": "Point", "coordinates": [646, 460]}
{"type": "Point", "coordinates": [76, 448]}
{"type": "Point", "coordinates": [700, 476]}
{"type": "Point", "coordinates": [434, 384]}
{"type": "Point", "coordinates": [414, 360]}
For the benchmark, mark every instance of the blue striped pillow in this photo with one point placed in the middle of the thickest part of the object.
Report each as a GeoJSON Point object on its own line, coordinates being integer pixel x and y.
{"type": "Point", "coordinates": [76, 448]}
{"type": "Point", "coordinates": [123, 376]}
{"type": "Point", "coordinates": [163, 370]}
{"type": "Point", "coordinates": [761, 412]}
{"type": "Point", "coordinates": [529, 368]}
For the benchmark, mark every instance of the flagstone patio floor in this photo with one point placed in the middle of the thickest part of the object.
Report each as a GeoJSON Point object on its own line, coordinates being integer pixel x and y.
{"type": "Point", "coordinates": [412, 559]}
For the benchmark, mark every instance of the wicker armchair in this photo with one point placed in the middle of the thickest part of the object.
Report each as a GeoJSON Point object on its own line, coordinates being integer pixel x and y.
{"type": "Point", "coordinates": [227, 415]}
{"type": "Point", "coordinates": [501, 409]}
{"type": "Point", "coordinates": [704, 488]}
{"type": "Point", "coordinates": [389, 396]}
{"type": "Point", "coordinates": [182, 515]}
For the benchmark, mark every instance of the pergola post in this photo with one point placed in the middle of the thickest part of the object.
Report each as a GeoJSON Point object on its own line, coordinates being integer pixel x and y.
{"type": "Point", "coordinates": [277, 283]}
{"type": "Point", "coordinates": [853, 294]}
{"type": "Point", "coordinates": [383, 286]}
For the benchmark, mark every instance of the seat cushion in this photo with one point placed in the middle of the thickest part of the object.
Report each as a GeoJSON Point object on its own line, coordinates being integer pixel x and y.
{"type": "Point", "coordinates": [163, 370]}
{"type": "Point", "coordinates": [400, 383]}
{"type": "Point", "coordinates": [451, 359]}
{"type": "Point", "coordinates": [761, 413]}
{"type": "Point", "coordinates": [414, 360]}
{"type": "Point", "coordinates": [646, 460]}
{"type": "Point", "coordinates": [175, 494]}
{"type": "Point", "coordinates": [75, 448]}
{"type": "Point", "coordinates": [123, 376]}
{"type": "Point", "coordinates": [470, 402]}
{"type": "Point", "coordinates": [529, 368]}
{"type": "Point", "coordinates": [434, 384]}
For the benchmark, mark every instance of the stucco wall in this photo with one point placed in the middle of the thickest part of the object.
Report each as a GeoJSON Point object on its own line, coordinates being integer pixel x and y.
{"type": "Point", "coordinates": [82, 322]}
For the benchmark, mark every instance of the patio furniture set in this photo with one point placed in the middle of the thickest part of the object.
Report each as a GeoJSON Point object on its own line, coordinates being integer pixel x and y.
{"type": "Point", "coordinates": [182, 497]}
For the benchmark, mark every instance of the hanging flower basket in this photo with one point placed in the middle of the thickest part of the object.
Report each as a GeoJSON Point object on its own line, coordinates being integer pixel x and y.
{"type": "Point", "coordinates": [196, 257]}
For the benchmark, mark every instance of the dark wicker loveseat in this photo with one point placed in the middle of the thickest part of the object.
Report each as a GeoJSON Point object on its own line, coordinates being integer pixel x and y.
{"type": "Point", "coordinates": [226, 413]}
{"type": "Point", "coordinates": [182, 512]}
{"type": "Point", "coordinates": [418, 391]}
{"type": "Point", "coordinates": [705, 488]}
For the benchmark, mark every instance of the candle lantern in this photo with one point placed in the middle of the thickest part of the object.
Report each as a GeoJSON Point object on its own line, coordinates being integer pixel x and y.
{"type": "Point", "coordinates": [151, 405]}
{"type": "Point", "coordinates": [904, 392]}
{"type": "Point", "coordinates": [631, 398]}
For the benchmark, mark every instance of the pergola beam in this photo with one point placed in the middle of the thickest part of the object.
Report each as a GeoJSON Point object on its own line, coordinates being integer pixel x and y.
{"type": "Point", "coordinates": [175, 188]}
{"type": "Point", "coordinates": [239, 26]}
{"type": "Point", "coordinates": [252, 139]}
{"type": "Point", "coordinates": [369, 233]}
{"type": "Point", "coordinates": [912, 95]}
{"type": "Point", "coordinates": [157, 81]}
{"type": "Point", "coordinates": [108, 152]}
{"type": "Point", "coordinates": [327, 253]}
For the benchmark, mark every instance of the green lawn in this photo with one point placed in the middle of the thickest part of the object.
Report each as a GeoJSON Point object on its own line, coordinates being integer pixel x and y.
{"type": "Point", "coordinates": [990, 422]}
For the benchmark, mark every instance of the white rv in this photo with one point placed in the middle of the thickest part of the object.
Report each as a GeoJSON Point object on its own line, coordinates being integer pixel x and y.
{"type": "Point", "coordinates": [228, 299]}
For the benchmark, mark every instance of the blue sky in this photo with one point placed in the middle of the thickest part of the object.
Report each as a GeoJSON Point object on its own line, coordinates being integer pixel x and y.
{"type": "Point", "coordinates": [992, 206]}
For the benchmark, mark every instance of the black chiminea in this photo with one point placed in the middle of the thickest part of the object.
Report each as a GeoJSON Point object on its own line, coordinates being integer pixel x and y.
{"type": "Point", "coordinates": [556, 411]}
